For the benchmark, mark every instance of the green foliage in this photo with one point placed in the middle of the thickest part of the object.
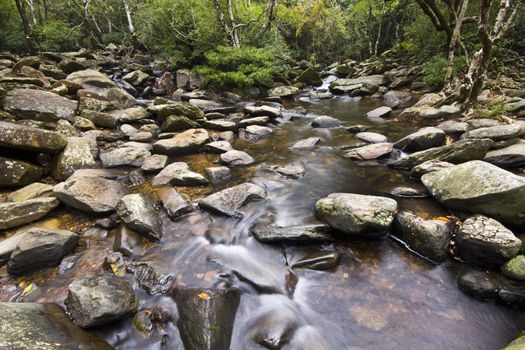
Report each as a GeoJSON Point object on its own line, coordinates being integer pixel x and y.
{"type": "Point", "coordinates": [228, 67]}
{"type": "Point", "coordinates": [57, 35]}
{"type": "Point", "coordinates": [434, 70]}
{"type": "Point", "coordinates": [494, 110]}
{"type": "Point", "coordinates": [422, 39]}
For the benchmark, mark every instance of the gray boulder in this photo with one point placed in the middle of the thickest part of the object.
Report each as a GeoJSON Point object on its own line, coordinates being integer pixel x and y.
{"type": "Point", "coordinates": [422, 139]}
{"type": "Point", "coordinates": [185, 142]}
{"type": "Point", "coordinates": [235, 157]}
{"type": "Point", "coordinates": [369, 152]}
{"type": "Point", "coordinates": [40, 248]}
{"type": "Point", "coordinates": [139, 213]}
{"type": "Point", "coordinates": [230, 200]}
{"type": "Point", "coordinates": [18, 173]}
{"type": "Point", "coordinates": [39, 105]}
{"type": "Point", "coordinates": [485, 242]}
{"type": "Point", "coordinates": [76, 155]}
{"type": "Point", "coordinates": [20, 213]}
{"type": "Point", "coordinates": [495, 133]}
{"type": "Point", "coordinates": [188, 178]}
{"type": "Point", "coordinates": [31, 191]}
{"type": "Point", "coordinates": [152, 277]}
{"type": "Point", "coordinates": [512, 156]}
{"type": "Point", "coordinates": [219, 175]}
{"type": "Point", "coordinates": [124, 156]}
{"type": "Point", "coordinates": [306, 143]}
{"type": "Point", "coordinates": [30, 139]}
{"type": "Point", "coordinates": [174, 203]}
{"type": "Point", "coordinates": [31, 326]}
{"type": "Point", "coordinates": [457, 152]}
{"type": "Point", "coordinates": [371, 137]}
{"type": "Point", "coordinates": [380, 112]}
{"type": "Point", "coordinates": [165, 176]}
{"type": "Point", "coordinates": [90, 193]}
{"type": "Point", "coordinates": [429, 238]}
{"type": "Point", "coordinates": [261, 111]}
{"type": "Point", "coordinates": [369, 216]}
{"type": "Point", "coordinates": [325, 121]}
{"type": "Point", "coordinates": [98, 301]}
{"type": "Point", "coordinates": [300, 233]}
{"type": "Point", "coordinates": [480, 187]}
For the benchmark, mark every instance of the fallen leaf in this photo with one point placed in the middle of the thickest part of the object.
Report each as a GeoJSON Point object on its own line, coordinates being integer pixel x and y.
{"type": "Point", "coordinates": [204, 296]}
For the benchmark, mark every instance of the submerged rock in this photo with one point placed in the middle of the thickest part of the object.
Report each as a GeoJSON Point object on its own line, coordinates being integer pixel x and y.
{"type": "Point", "coordinates": [325, 121]}
{"type": "Point", "coordinates": [41, 248]}
{"type": "Point", "coordinates": [369, 152]}
{"type": "Point", "coordinates": [139, 213]}
{"type": "Point", "coordinates": [294, 171]}
{"type": "Point", "coordinates": [91, 193]}
{"type": "Point", "coordinates": [485, 242]}
{"type": "Point", "coordinates": [19, 213]}
{"type": "Point", "coordinates": [301, 233]}
{"type": "Point", "coordinates": [230, 200]}
{"type": "Point", "coordinates": [318, 261]}
{"type": "Point", "coordinates": [429, 166]}
{"type": "Point", "coordinates": [206, 317]}
{"type": "Point", "coordinates": [480, 284]}
{"type": "Point", "coordinates": [151, 277]}
{"type": "Point", "coordinates": [94, 302]}
{"type": "Point", "coordinates": [349, 213]}
{"type": "Point", "coordinates": [31, 326]}
{"type": "Point", "coordinates": [480, 187]}
{"type": "Point", "coordinates": [306, 143]}
{"type": "Point", "coordinates": [429, 238]}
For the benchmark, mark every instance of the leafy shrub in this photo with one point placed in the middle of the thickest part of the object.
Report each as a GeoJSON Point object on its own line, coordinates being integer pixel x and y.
{"type": "Point", "coordinates": [434, 70]}
{"type": "Point", "coordinates": [228, 67]}
{"type": "Point", "coordinates": [57, 35]}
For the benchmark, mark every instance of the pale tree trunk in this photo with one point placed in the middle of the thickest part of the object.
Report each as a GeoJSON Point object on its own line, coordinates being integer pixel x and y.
{"type": "Point", "coordinates": [380, 28]}
{"type": "Point", "coordinates": [456, 36]}
{"type": "Point", "coordinates": [128, 16]}
{"type": "Point", "coordinates": [480, 61]}
{"type": "Point", "coordinates": [232, 29]}
{"type": "Point", "coordinates": [272, 7]}
{"type": "Point", "coordinates": [31, 6]}
{"type": "Point", "coordinates": [235, 31]}
{"type": "Point", "coordinates": [28, 29]}
{"type": "Point", "coordinates": [90, 25]}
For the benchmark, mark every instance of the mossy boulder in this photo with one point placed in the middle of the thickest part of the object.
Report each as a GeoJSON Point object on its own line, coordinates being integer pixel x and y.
{"type": "Point", "coordinates": [310, 77]}
{"type": "Point", "coordinates": [515, 268]}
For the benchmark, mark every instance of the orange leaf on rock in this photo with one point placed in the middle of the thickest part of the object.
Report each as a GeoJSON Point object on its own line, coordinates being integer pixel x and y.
{"type": "Point", "coordinates": [204, 296]}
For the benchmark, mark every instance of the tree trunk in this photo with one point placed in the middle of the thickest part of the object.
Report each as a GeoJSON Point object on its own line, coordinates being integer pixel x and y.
{"type": "Point", "coordinates": [380, 28]}
{"type": "Point", "coordinates": [90, 27]}
{"type": "Point", "coordinates": [128, 16]}
{"type": "Point", "coordinates": [28, 29]}
{"type": "Point", "coordinates": [456, 35]}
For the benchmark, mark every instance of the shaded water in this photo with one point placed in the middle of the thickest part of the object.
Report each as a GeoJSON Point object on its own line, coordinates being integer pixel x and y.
{"type": "Point", "coordinates": [379, 297]}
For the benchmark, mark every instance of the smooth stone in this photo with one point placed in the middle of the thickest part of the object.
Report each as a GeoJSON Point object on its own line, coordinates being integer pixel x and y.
{"type": "Point", "coordinates": [283, 91]}
{"type": "Point", "coordinates": [485, 242]}
{"type": "Point", "coordinates": [306, 143]}
{"type": "Point", "coordinates": [15, 173]}
{"type": "Point", "coordinates": [357, 128]}
{"type": "Point", "coordinates": [165, 176]}
{"type": "Point", "coordinates": [325, 121]}
{"type": "Point", "coordinates": [409, 192]}
{"type": "Point", "coordinates": [512, 292]}
{"type": "Point", "coordinates": [515, 268]}
{"type": "Point", "coordinates": [221, 125]}
{"type": "Point", "coordinates": [495, 133]}
{"type": "Point", "coordinates": [219, 174]}
{"type": "Point", "coordinates": [140, 214]}
{"type": "Point", "coordinates": [151, 277]}
{"type": "Point", "coordinates": [91, 193]}
{"type": "Point", "coordinates": [130, 115]}
{"type": "Point", "coordinates": [31, 326]}
{"type": "Point", "coordinates": [380, 112]}
{"type": "Point", "coordinates": [262, 111]}
{"type": "Point", "coordinates": [218, 147]}
{"type": "Point", "coordinates": [174, 203]}
{"type": "Point", "coordinates": [76, 155]}
{"type": "Point", "coordinates": [154, 163]}
{"type": "Point", "coordinates": [356, 214]}
{"type": "Point", "coordinates": [185, 142]}
{"type": "Point", "coordinates": [480, 284]}
{"type": "Point", "coordinates": [235, 157]}
{"type": "Point", "coordinates": [178, 123]}
{"type": "Point", "coordinates": [40, 248]}
{"type": "Point", "coordinates": [429, 166]}
{"type": "Point", "coordinates": [230, 200]}
{"type": "Point", "coordinates": [39, 105]}
{"type": "Point", "coordinates": [30, 139]}
{"type": "Point", "coordinates": [422, 139]}
{"type": "Point", "coordinates": [206, 317]}
{"type": "Point", "coordinates": [188, 178]}
{"type": "Point", "coordinates": [124, 156]}
{"type": "Point", "coordinates": [98, 301]}
{"type": "Point", "coordinates": [126, 240]}
{"type": "Point", "coordinates": [457, 152]}
{"type": "Point", "coordinates": [371, 137]}
{"type": "Point", "coordinates": [31, 191]}
{"type": "Point", "coordinates": [89, 78]}
{"type": "Point", "coordinates": [254, 121]}
{"type": "Point", "coordinates": [509, 157]}
{"type": "Point", "coordinates": [162, 110]}
{"type": "Point", "coordinates": [13, 214]}
{"type": "Point", "coordinates": [257, 130]}
{"type": "Point", "coordinates": [300, 233]}
{"type": "Point", "coordinates": [452, 127]}
{"type": "Point", "coordinates": [429, 238]}
{"type": "Point", "coordinates": [480, 187]}
{"type": "Point", "coordinates": [369, 152]}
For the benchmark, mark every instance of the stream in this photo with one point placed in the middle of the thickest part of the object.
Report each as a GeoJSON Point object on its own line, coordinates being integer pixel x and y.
{"type": "Point", "coordinates": [380, 295]}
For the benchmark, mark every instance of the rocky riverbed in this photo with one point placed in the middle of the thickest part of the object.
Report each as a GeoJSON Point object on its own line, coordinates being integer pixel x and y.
{"type": "Point", "coordinates": [139, 211]}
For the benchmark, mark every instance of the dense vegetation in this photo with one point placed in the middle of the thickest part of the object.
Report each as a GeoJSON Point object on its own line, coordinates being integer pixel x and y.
{"type": "Point", "coordinates": [246, 42]}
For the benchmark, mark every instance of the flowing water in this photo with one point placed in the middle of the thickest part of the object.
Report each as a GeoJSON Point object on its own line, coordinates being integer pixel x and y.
{"type": "Point", "coordinates": [380, 296]}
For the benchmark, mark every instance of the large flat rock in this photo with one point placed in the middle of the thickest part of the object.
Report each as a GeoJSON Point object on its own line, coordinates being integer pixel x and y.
{"type": "Point", "coordinates": [30, 139]}
{"type": "Point", "coordinates": [39, 105]}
